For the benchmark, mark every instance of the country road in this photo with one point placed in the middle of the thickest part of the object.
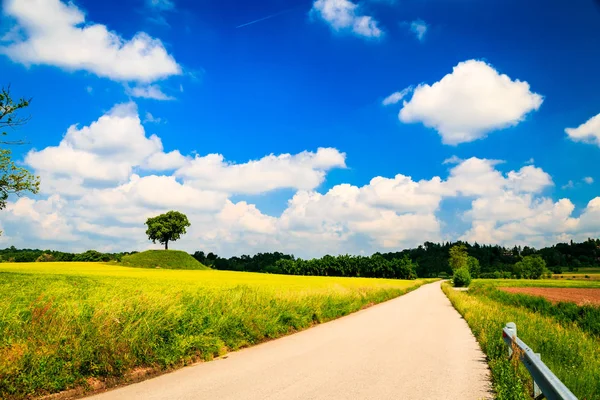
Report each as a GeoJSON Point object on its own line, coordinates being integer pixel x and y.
{"type": "Point", "coordinates": [413, 347]}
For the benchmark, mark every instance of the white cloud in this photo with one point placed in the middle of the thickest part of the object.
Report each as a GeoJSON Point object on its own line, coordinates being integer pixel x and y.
{"type": "Point", "coordinates": [40, 219]}
{"type": "Point", "coordinates": [148, 92]}
{"type": "Point", "coordinates": [333, 219]}
{"type": "Point", "coordinates": [155, 192]}
{"type": "Point", "coordinates": [589, 180]}
{"type": "Point", "coordinates": [106, 151]}
{"type": "Point", "coordinates": [588, 132]}
{"type": "Point", "coordinates": [247, 218]}
{"type": "Point", "coordinates": [101, 182]}
{"type": "Point", "coordinates": [89, 89]}
{"type": "Point", "coordinates": [165, 161]}
{"type": "Point", "coordinates": [535, 223]}
{"type": "Point", "coordinates": [58, 35]}
{"type": "Point", "coordinates": [470, 102]}
{"type": "Point", "coordinates": [343, 15]}
{"type": "Point", "coordinates": [305, 170]}
{"type": "Point", "coordinates": [419, 28]}
{"type": "Point", "coordinates": [590, 219]}
{"type": "Point", "coordinates": [395, 97]}
{"type": "Point", "coordinates": [402, 194]}
{"type": "Point", "coordinates": [479, 178]}
{"type": "Point", "coordinates": [528, 179]}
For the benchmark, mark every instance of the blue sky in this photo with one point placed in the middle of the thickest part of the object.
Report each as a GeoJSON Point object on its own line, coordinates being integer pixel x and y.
{"type": "Point", "coordinates": [486, 82]}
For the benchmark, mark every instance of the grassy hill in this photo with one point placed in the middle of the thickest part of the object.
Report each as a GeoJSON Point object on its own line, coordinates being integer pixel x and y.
{"type": "Point", "coordinates": [168, 259]}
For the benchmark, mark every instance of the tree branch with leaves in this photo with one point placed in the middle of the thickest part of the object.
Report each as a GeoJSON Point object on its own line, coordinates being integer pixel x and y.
{"type": "Point", "coordinates": [14, 180]}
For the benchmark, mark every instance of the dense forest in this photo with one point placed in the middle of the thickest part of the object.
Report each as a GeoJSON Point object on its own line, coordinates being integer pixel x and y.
{"type": "Point", "coordinates": [428, 260]}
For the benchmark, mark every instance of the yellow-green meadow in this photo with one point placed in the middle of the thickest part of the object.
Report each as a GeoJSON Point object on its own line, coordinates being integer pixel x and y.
{"type": "Point", "coordinates": [62, 323]}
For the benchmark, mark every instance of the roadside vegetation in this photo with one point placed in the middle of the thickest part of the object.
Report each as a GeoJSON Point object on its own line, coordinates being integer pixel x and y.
{"type": "Point", "coordinates": [570, 350]}
{"type": "Point", "coordinates": [62, 324]}
{"type": "Point", "coordinates": [586, 317]}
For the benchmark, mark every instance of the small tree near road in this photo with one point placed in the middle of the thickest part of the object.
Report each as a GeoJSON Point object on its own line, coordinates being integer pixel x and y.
{"type": "Point", "coordinates": [461, 262]}
{"type": "Point", "coordinates": [167, 227]}
{"type": "Point", "coordinates": [458, 257]}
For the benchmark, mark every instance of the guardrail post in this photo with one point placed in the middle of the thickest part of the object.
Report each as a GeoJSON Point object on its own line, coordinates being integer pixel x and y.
{"type": "Point", "coordinates": [512, 328]}
{"type": "Point", "coordinates": [537, 392]}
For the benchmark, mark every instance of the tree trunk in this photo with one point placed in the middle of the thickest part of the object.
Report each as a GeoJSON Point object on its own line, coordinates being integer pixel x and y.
{"type": "Point", "coordinates": [167, 245]}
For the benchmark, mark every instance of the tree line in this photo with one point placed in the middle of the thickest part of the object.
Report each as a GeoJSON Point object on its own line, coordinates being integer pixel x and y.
{"type": "Point", "coordinates": [12, 254]}
{"type": "Point", "coordinates": [427, 260]}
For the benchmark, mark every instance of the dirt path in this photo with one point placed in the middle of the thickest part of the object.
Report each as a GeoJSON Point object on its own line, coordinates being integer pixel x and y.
{"type": "Point", "coordinates": [576, 295]}
{"type": "Point", "coordinates": [413, 347]}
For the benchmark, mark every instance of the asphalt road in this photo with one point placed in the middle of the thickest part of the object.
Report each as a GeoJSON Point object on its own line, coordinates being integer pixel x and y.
{"type": "Point", "coordinates": [413, 347]}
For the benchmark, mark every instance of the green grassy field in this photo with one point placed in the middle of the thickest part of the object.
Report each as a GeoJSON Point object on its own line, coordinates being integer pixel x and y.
{"type": "Point", "coordinates": [63, 323]}
{"type": "Point", "coordinates": [167, 259]}
{"type": "Point", "coordinates": [571, 352]}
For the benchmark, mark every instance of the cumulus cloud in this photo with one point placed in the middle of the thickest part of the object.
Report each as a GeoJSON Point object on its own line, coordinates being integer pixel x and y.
{"type": "Point", "coordinates": [345, 211]}
{"type": "Point", "coordinates": [56, 33]}
{"type": "Point", "coordinates": [470, 102]}
{"type": "Point", "coordinates": [343, 15]}
{"type": "Point", "coordinates": [165, 161]}
{"type": "Point", "coordinates": [521, 221]}
{"type": "Point", "coordinates": [589, 180]}
{"type": "Point", "coordinates": [588, 132]}
{"type": "Point", "coordinates": [105, 152]}
{"type": "Point", "coordinates": [103, 180]}
{"type": "Point", "coordinates": [305, 170]}
{"type": "Point", "coordinates": [419, 28]}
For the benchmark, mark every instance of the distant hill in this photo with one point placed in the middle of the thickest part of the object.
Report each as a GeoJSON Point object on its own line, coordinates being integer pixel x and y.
{"type": "Point", "coordinates": [167, 259]}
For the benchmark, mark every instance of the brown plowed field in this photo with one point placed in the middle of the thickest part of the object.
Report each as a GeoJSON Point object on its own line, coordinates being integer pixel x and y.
{"type": "Point", "coordinates": [579, 296]}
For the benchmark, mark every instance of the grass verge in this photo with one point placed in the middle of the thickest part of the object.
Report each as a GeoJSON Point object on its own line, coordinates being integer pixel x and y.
{"type": "Point", "coordinates": [573, 355]}
{"type": "Point", "coordinates": [64, 325]}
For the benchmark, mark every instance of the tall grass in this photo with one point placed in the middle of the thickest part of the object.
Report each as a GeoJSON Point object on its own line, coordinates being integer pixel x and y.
{"type": "Point", "coordinates": [573, 355]}
{"type": "Point", "coordinates": [61, 324]}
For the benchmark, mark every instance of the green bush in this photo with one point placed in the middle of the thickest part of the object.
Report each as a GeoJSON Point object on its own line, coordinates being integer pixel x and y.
{"type": "Point", "coordinates": [461, 277]}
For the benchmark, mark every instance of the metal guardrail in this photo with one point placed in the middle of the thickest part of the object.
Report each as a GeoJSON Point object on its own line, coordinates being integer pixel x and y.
{"type": "Point", "coordinates": [545, 383]}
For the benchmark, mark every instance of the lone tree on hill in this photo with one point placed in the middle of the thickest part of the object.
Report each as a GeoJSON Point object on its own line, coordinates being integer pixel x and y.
{"type": "Point", "coordinates": [167, 227]}
{"type": "Point", "coordinates": [13, 179]}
